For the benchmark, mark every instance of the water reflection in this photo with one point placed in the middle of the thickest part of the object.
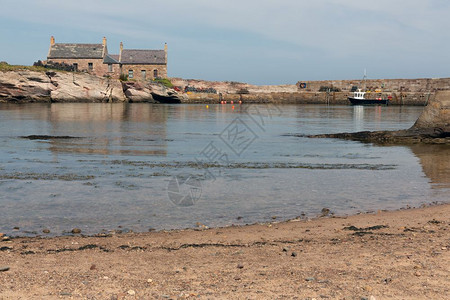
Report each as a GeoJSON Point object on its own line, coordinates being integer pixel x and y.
{"type": "Point", "coordinates": [358, 117]}
{"type": "Point", "coordinates": [435, 162]}
{"type": "Point", "coordinates": [119, 129]}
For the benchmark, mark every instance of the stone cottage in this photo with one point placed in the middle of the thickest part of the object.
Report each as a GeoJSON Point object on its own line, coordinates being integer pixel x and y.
{"type": "Point", "coordinates": [95, 59]}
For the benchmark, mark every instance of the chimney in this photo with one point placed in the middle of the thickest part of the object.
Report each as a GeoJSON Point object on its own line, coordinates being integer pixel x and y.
{"type": "Point", "coordinates": [105, 49]}
{"type": "Point", "coordinates": [165, 51]}
{"type": "Point", "coordinates": [120, 53]}
{"type": "Point", "coordinates": [52, 42]}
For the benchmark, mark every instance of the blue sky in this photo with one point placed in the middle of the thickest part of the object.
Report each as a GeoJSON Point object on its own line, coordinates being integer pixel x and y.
{"type": "Point", "coordinates": [259, 42]}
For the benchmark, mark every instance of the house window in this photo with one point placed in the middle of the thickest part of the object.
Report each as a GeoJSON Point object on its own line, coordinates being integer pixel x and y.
{"type": "Point", "coordinates": [75, 67]}
{"type": "Point", "coordinates": [110, 69]}
{"type": "Point", "coordinates": [90, 66]}
{"type": "Point", "coordinates": [130, 74]}
{"type": "Point", "coordinates": [144, 74]}
{"type": "Point", "coordinates": [155, 73]}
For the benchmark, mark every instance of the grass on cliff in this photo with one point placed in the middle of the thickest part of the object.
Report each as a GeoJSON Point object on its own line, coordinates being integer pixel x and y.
{"type": "Point", "coordinates": [164, 81]}
{"type": "Point", "coordinates": [4, 67]}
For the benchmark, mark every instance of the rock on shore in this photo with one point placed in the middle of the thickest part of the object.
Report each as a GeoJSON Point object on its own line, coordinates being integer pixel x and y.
{"type": "Point", "coordinates": [436, 114]}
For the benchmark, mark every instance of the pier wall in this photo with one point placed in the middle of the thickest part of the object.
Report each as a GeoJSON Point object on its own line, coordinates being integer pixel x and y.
{"type": "Point", "coordinates": [403, 91]}
{"type": "Point", "coordinates": [421, 85]}
{"type": "Point", "coordinates": [408, 98]}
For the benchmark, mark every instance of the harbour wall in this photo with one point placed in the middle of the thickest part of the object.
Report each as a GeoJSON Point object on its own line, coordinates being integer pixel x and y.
{"type": "Point", "coordinates": [330, 98]}
{"type": "Point", "coordinates": [420, 85]}
{"type": "Point", "coordinates": [402, 91]}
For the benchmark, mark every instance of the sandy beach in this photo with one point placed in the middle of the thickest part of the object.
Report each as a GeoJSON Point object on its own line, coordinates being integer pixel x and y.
{"type": "Point", "coordinates": [401, 254]}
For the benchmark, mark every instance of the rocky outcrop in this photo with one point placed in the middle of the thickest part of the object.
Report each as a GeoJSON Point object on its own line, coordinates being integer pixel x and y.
{"type": "Point", "coordinates": [152, 93]}
{"type": "Point", "coordinates": [73, 87]}
{"type": "Point", "coordinates": [29, 86]}
{"type": "Point", "coordinates": [436, 114]}
{"type": "Point", "coordinates": [432, 127]}
{"type": "Point", "coordinates": [25, 85]}
{"type": "Point", "coordinates": [135, 92]}
{"type": "Point", "coordinates": [32, 86]}
{"type": "Point", "coordinates": [232, 87]}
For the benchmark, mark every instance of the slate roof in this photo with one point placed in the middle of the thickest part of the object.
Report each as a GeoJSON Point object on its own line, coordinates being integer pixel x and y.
{"type": "Point", "coordinates": [143, 57]}
{"type": "Point", "coordinates": [111, 59]}
{"type": "Point", "coordinates": [76, 51]}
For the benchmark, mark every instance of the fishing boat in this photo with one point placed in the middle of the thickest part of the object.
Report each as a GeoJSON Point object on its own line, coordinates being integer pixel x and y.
{"type": "Point", "coordinates": [359, 98]}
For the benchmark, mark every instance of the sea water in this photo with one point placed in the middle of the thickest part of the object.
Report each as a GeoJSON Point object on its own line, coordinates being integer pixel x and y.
{"type": "Point", "coordinates": [102, 167]}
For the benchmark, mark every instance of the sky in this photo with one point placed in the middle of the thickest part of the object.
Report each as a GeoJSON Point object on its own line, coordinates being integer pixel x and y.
{"type": "Point", "coordinates": [258, 42]}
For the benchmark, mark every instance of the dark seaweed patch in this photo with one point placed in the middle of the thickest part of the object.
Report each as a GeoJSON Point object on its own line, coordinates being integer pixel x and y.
{"type": "Point", "coordinates": [49, 137]}
{"type": "Point", "coordinates": [376, 227]}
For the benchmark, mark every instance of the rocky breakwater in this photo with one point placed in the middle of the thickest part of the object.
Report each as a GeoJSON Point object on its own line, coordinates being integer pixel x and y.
{"type": "Point", "coordinates": [50, 86]}
{"type": "Point", "coordinates": [432, 127]}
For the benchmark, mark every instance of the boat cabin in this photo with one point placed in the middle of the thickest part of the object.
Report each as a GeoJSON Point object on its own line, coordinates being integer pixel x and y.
{"type": "Point", "coordinates": [359, 94]}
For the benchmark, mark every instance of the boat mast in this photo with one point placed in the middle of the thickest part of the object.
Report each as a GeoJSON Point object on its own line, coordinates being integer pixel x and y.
{"type": "Point", "coordinates": [364, 79]}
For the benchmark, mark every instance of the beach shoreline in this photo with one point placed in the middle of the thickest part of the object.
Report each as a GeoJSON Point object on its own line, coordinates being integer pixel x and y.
{"type": "Point", "coordinates": [384, 255]}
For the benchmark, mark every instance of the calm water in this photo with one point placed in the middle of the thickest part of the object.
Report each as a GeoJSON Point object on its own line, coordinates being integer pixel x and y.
{"type": "Point", "coordinates": [126, 165]}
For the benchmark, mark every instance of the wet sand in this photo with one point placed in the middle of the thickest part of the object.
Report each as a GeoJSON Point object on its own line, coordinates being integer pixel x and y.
{"type": "Point", "coordinates": [401, 254]}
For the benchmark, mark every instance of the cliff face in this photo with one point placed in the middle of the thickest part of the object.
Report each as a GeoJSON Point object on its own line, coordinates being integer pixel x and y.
{"type": "Point", "coordinates": [58, 87]}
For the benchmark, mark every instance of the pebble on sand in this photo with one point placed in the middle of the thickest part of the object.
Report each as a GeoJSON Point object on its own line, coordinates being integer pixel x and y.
{"type": "Point", "coordinates": [325, 212]}
{"type": "Point", "coordinates": [4, 269]}
{"type": "Point", "coordinates": [76, 230]}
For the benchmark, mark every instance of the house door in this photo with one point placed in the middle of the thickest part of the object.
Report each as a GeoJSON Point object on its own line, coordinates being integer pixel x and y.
{"type": "Point", "coordinates": [144, 74]}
